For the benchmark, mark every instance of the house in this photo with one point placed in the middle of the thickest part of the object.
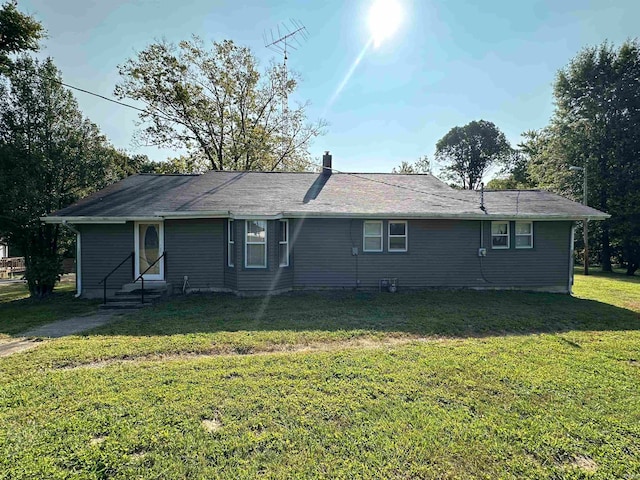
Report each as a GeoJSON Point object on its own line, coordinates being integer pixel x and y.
{"type": "Point", "coordinates": [259, 232]}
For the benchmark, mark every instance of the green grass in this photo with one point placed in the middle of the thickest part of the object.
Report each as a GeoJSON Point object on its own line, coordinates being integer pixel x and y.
{"type": "Point", "coordinates": [426, 385]}
{"type": "Point", "coordinates": [612, 288]}
{"type": "Point", "coordinates": [18, 312]}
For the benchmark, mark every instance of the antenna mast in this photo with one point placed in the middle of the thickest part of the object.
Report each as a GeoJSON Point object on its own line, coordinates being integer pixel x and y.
{"type": "Point", "coordinates": [282, 42]}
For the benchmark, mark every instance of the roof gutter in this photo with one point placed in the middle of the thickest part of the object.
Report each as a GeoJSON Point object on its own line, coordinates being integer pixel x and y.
{"type": "Point", "coordinates": [194, 214]}
{"type": "Point", "coordinates": [298, 214]}
{"type": "Point", "coordinates": [446, 216]}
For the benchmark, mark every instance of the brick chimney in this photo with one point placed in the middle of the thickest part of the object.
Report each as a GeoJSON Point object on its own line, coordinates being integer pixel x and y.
{"type": "Point", "coordinates": [326, 163]}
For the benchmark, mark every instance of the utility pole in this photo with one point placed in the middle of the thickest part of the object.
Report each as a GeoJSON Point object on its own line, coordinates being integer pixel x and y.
{"type": "Point", "coordinates": [585, 222]}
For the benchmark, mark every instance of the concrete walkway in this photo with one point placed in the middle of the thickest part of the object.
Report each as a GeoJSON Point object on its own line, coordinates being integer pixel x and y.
{"type": "Point", "coordinates": [61, 328]}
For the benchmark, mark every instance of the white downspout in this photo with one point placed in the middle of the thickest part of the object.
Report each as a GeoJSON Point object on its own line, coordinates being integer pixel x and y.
{"type": "Point", "coordinates": [571, 254]}
{"type": "Point", "coordinates": [78, 257]}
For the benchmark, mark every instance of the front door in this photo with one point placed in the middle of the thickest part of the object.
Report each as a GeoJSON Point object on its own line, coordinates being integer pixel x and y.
{"type": "Point", "coordinates": [149, 239]}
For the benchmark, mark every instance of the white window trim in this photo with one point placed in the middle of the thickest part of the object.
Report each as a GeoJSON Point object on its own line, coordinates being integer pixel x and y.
{"type": "Point", "coordinates": [231, 244]}
{"type": "Point", "coordinates": [526, 247]}
{"type": "Point", "coordinates": [246, 244]}
{"type": "Point", "coordinates": [405, 236]}
{"type": "Point", "coordinates": [365, 236]}
{"type": "Point", "coordinates": [286, 243]}
{"type": "Point", "coordinates": [508, 235]}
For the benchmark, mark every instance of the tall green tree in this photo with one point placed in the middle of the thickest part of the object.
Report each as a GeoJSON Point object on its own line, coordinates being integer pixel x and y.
{"type": "Point", "coordinates": [515, 173]}
{"type": "Point", "coordinates": [215, 102]}
{"type": "Point", "coordinates": [50, 155]}
{"type": "Point", "coordinates": [468, 152]}
{"type": "Point", "coordinates": [596, 125]}
{"type": "Point", "coordinates": [18, 33]}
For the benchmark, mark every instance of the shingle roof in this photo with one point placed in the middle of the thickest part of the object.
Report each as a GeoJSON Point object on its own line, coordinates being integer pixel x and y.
{"type": "Point", "coordinates": [243, 194]}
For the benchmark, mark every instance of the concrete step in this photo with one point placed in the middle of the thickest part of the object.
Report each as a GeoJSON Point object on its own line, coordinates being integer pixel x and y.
{"type": "Point", "coordinates": [123, 305]}
{"type": "Point", "coordinates": [159, 285]}
{"type": "Point", "coordinates": [136, 296]}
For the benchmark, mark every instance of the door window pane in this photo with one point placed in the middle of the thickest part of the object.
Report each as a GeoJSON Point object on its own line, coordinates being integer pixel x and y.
{"type": "Point", "coordinates": [149, 247]}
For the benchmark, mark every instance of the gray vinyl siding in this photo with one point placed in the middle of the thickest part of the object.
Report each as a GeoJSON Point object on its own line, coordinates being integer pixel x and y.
{"type": "Point", "coordinates": [103, 248]}
{"type": "Point", "coordinates": [441, 253]}
{"type": "Point", "coordinates": [230, 273]}
{"type": "Point", "coordinates": [272, 278]}
{"type": "Point", "coordinates": [546, 264]}
{"type": "Point", "coordinates": [195, 248]}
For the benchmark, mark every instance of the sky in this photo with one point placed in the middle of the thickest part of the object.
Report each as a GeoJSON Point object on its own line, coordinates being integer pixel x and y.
{"type": "Point", "coordinates": [449, 62]}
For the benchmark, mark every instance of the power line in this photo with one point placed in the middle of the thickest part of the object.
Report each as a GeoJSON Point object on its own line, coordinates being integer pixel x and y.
{"type": "Point", "coordinates": [166, 117]}
{"type": "Point", "coordinates": [117, 102]}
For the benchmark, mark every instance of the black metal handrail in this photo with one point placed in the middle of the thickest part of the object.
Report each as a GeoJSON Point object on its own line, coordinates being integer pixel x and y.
{"type": "Point", "coordinates": [104, 280]}
{"type": "Point", "coordinates": [141, 277]}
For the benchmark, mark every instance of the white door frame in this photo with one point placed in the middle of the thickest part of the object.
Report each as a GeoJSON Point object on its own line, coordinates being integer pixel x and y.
{"type": "Point", "coordinates": [136, 240]}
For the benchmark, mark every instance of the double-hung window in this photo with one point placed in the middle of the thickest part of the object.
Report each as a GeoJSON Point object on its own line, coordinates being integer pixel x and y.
{"type": "Point", "coordinates": [372, 240]}
{"type": "Point", "coordinates": [397, 236]}
{"type": "Point", "coordinates": [283, 242]}
{"type": "Point", "coordinates": [524, 234]}
{"type": "Point", "coordinates": [231, 244]}
{"type": "Point", "coordinates": [500, 235]}
{"type": "Point", "coordinates": [255, 249]}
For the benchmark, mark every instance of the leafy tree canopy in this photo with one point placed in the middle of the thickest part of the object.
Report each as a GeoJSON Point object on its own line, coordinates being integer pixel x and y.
{"type": "Point", "coordinates": [469, 151]}
{"type": "Point", "coordinates": [596, 125]}
{"type": "Point", "coordinates": [50, 155]}
{"type": "Point", "coordinates": [18, 32]}
{"type": "Point", "coordinates": [218, 105]}
{"type": "Point", "coordinates": [422, 165]}
{"type": "Point", "coordinates": [184, 164]}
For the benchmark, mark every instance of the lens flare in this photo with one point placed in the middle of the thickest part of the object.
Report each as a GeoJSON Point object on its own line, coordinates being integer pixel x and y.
{"type": "Point", "coordinates": [385, 17]}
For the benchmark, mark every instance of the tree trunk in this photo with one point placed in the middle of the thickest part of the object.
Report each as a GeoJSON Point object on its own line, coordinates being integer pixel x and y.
{"type": "Point", "coordinates": [606, 248]}
{"type": "Point", "coordinates": [631, 256]}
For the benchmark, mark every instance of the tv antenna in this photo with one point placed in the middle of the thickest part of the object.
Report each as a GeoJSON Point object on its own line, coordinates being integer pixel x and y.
{"type": "Point", "coordinates": [282, 40]}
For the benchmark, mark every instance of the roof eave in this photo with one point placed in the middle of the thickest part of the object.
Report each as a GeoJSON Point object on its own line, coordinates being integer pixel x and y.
{"type": "Point", "coordinates": [444, 216]}
{"type": "Point", "coordinates": [89, 219]}
{"type": "Point", "coordinates": [298, 214]}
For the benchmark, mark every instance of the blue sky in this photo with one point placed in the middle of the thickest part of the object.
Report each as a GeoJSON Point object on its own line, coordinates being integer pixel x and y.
{"type": "Point", "coordinates": [451, 62]}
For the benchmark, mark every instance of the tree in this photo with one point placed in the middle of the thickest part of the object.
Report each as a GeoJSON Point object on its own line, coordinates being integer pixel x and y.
{"type": "Point", "coordinates": [517, 173]}
{"type": "Point", "coordinates": [469, 151]}
{"type": "Point", "coordinates": [596, 124]}
{"type": "Point", "coordinates": [216, 104]}
{"type": "Point", "coordinates": [184, 164]}
{"type": "Point", "coordinates": [18, 32]}
{"type": "Point", "coordinates": [50, 155]}
{"type": "Point", "coordinates": [422, 165]}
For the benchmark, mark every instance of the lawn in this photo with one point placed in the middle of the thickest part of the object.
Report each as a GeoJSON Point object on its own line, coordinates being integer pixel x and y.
{"type": "Point", "coordinates": [420, 385]}
{"type": "Point", "coordinates": [18, 312]}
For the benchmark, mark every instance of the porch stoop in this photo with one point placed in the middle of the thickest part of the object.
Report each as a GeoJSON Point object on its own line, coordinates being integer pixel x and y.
{"type": "Point", "coordinates": [130, 296]}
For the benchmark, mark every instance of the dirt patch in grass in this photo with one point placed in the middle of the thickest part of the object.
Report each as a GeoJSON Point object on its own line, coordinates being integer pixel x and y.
{"type": "Point", "coordinates": [97, 440]}
{"type": "Point", "coordinates": [232, 351]}
{"type": "Point", "coordinates": [211, 425]}
{"type": "Point", "coordinates": [584, 463]}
